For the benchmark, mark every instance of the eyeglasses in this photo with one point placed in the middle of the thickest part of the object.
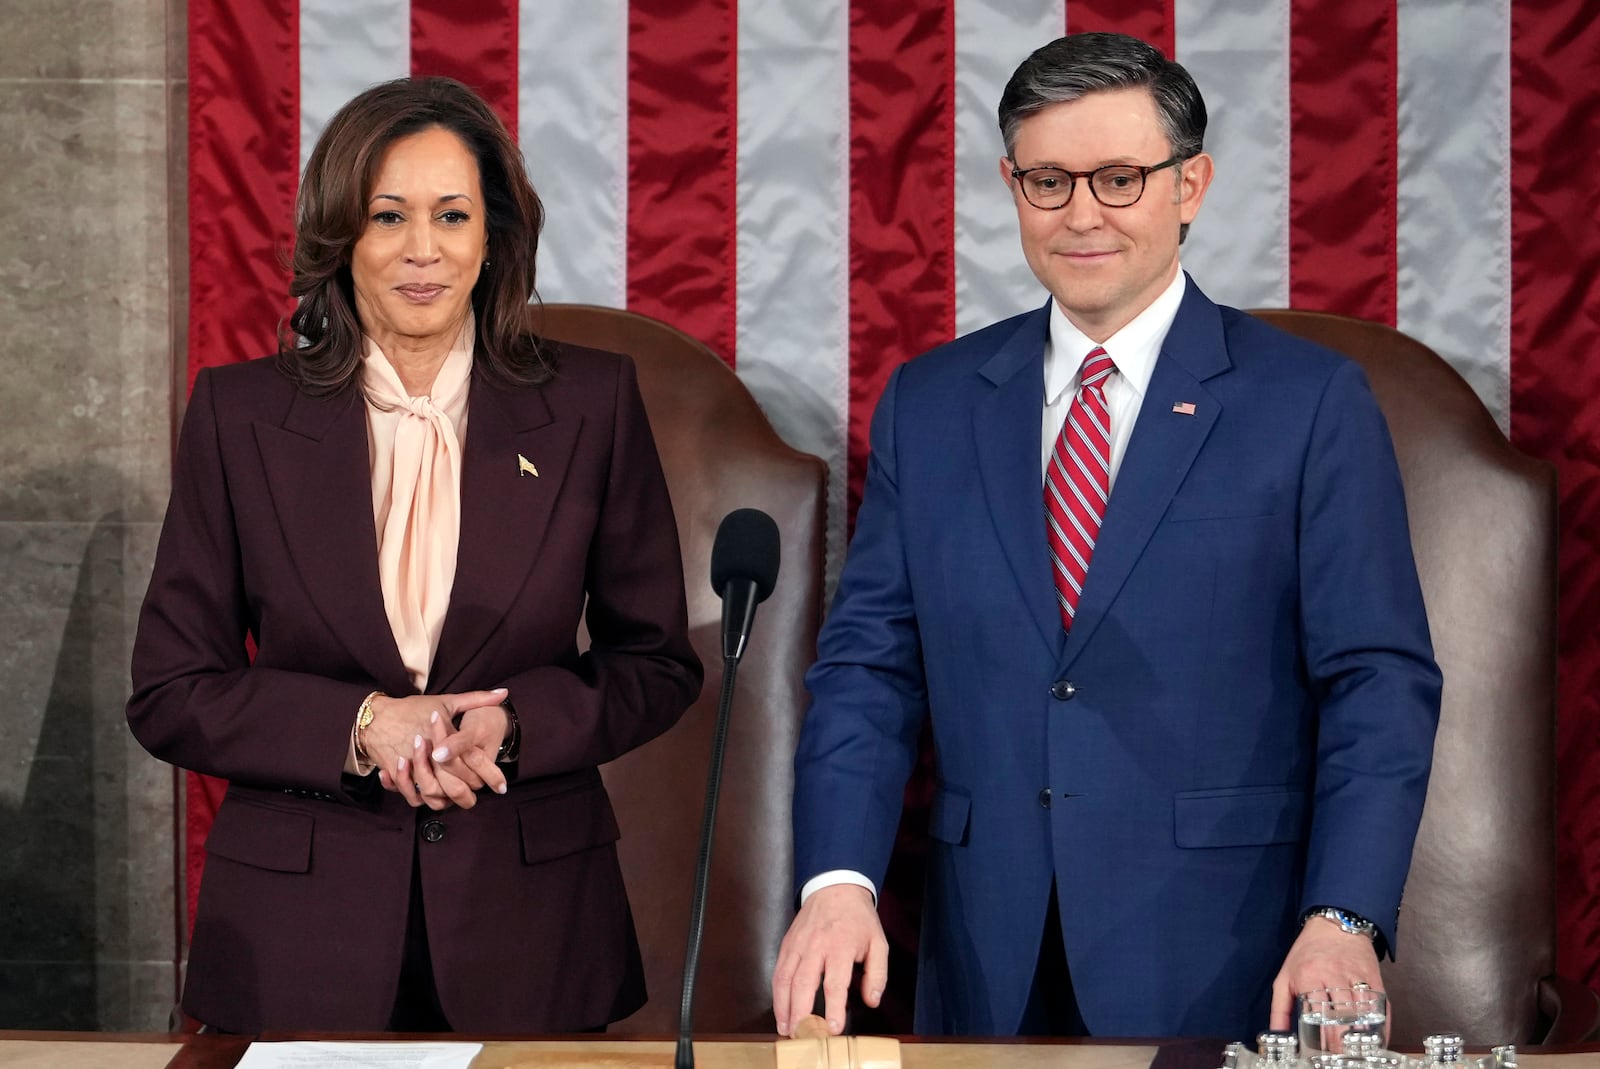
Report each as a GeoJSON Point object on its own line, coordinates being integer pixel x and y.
{"type": "Point", "coordinates": [1119, 185]}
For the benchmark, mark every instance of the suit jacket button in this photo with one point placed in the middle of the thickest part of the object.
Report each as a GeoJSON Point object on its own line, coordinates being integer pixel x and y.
{"type": "Point", "coordinates": [1044, 797]}
{"type": "Point", "coordinates": [1062, 690]}
{"type": "Point", "coordinates": [433, 830]}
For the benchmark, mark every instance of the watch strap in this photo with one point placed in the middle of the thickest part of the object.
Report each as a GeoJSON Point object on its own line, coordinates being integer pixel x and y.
{"type": "Point", "coordinates": [1353, 923]}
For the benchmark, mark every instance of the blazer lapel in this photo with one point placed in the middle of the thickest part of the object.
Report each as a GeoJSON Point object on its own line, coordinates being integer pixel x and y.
{"type": "Point", "coordinates": [506, 506]}
{"type": "Point", "coordinates": [1006, 429]}
{"type": "Point", "coordinates": [320, 481]}
{"type": "Point", "coordinates": [1162, 449]}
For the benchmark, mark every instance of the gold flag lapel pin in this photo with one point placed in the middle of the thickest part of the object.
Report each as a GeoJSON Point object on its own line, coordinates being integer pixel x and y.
{"type": "Point", "coordinates": [525, 466]}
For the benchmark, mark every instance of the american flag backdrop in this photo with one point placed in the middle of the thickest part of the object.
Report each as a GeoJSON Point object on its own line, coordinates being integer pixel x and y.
{"type": "Point", "coordinates": [811, 187]}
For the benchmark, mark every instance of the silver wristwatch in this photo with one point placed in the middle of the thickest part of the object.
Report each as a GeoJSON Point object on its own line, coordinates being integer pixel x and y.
{"type": "Point", "coordinates": [1353, 923]}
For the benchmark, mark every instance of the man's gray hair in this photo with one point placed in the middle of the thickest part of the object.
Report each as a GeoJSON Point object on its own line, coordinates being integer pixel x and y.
{"type": "Point", "coordinates": [1078, 64]}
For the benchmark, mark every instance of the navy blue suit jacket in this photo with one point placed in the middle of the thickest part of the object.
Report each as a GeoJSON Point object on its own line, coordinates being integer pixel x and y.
{"type": "Point", "coordinates": [1249, 723]}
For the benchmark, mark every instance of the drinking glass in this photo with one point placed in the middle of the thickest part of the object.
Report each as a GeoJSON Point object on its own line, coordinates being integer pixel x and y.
{"type": "Point", "coordinates": [1327, 1014]}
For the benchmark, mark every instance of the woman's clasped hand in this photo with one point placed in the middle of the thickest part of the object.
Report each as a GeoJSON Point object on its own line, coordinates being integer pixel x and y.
{"type": "Point", "coordinates": [439, 750]}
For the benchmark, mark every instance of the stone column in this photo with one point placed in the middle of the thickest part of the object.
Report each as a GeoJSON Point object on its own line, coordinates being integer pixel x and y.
{"type": "Point", "coordinates": [91, 330]}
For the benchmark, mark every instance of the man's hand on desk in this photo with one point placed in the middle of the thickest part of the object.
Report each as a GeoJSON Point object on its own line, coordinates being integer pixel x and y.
{"type": "Point", "coordinates": [1324, 955]}
{"type": "Point", "coordinates": [837, 927]}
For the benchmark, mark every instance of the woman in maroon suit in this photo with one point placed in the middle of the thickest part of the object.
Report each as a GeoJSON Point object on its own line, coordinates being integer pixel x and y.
{"type": "Point", "coordinates": [409, 512]}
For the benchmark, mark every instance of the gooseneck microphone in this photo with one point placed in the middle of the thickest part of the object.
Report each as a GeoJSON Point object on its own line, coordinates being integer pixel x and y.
{"type": "Point", "coordinates": [744, 567]}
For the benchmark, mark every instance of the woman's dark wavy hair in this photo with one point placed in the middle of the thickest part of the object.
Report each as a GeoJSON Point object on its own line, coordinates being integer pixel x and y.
{"type": "Point", "coordinates": [321, 349]}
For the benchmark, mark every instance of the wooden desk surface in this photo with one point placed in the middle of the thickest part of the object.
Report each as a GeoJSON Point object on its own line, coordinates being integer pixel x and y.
{"type": "Point", "coordinates": [736, 1054]}
{"type": "Point", "coordinates": [47, 1050]}
{"type": "Point", "coordinates": [56, 1050]}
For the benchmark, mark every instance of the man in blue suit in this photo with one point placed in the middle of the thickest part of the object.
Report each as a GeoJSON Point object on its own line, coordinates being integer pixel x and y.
{"type": "Point", "coordinates": [1143, 563]}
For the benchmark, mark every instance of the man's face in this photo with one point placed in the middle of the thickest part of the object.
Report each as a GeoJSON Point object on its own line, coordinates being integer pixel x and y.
{"type": "Point", "coordinates": [1104, 265]}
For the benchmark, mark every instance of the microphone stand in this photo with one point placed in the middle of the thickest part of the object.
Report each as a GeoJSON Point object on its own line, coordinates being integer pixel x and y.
{"type": "Point", "coordinates": [702, 872]}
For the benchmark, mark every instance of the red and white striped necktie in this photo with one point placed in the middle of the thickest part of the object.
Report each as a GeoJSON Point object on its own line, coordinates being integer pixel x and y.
{"type": "Point", "coordinates": [1078, 482]}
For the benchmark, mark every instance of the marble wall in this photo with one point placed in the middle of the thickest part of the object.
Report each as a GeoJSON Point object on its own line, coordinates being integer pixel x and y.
{"type": "Point", "coordinates": [91, 331]}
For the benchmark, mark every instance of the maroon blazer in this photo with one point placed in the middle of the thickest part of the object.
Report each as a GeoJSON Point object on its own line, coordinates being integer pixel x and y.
{"type": "Point", "coordinates": [269, 534]}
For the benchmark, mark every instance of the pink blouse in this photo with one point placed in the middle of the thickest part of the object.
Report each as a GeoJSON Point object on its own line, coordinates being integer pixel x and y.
{"type": "Point", "coordinates": [415, 447]}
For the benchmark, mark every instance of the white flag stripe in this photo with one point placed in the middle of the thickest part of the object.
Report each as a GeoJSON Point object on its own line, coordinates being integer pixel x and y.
{"type": "Point", "coordinates": [346, 46]}
{"type": "Point", "coordinates": [792, 280]}
{"type": "Point", "coordinates": [1238, 52]}
{"type": "Point", "coordinates": [992, 36]}
{"type": "Point", "coordinates": [1454, 228]}
{"type": "Point", "coordinates": [792, 310]}
{"type": "Point", "coordinates": [572, 122]}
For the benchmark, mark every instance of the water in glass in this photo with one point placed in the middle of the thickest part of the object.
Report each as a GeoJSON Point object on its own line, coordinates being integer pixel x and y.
{"type": "Point", "coordinates": [1326, 1015]}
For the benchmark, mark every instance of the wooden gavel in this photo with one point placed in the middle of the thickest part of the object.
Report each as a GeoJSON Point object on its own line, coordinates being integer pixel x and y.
{"type": "Point", "coordinates": [813, 1048]}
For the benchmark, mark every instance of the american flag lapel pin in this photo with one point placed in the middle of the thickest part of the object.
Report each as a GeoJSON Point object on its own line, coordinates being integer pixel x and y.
{"type": "Point", "coordinates": [525, 466]}
{"type": "Point", "coordinates": [1184, 408]}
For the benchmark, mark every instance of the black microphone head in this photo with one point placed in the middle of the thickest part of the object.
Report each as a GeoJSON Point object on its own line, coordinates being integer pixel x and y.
{"type": "Point", "coordinates": [746, 548]}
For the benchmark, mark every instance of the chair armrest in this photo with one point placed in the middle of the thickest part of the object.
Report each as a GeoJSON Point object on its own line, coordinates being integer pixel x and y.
{"type": "Point", "coordinates": [1572, 1009]}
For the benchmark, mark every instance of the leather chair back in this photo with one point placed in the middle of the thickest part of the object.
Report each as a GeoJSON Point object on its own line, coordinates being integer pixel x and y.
{"type": "Point", "coordinates": [719, 453]}
{"type": "Point", "coordinates": [1477, 925]}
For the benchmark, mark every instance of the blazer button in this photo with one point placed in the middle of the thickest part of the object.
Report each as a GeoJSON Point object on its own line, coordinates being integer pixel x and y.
{"type": "Point", "coordinates": [1062, 690]}
{"type": "Point", "coordinates": [1044, 797]}
{"type": "Point", "coordinates": [433, 830]}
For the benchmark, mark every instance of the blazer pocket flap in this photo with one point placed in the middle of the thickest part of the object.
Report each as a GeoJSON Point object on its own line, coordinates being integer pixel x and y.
{"type": "Point", "coordinates": [566, 823]}
{"type": "Point", "coordinates": [1241, 816]}
{"type": "Point", "coordinates": [1187, 507]}
{"type": "Point", "coordinates": [949, 816]}
{"type": "Point", "coordinates": [259, 835]}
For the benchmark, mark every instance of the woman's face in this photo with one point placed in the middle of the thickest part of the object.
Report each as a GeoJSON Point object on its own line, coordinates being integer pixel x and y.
{"type": "Point", "coordinates": [425, 241]}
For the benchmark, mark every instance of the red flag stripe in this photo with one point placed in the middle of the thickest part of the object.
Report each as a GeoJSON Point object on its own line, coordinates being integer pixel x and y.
{"type": "Point", "coordinates": [902, 198]}
{"type": "Point", "coordinates": [1152, 20]}
{"type": "Point", "coordinates": [1343, 74]}
{"type": "Point", "coordinates": [244, 151]}
{"type": "Point", "coordinates": [244, 145]}
{"type": "Point", "coordinates": [1555, 380]}
{"type": "Point", "coordinates": [474, 41]}
{"type": "Point", "coordinates": [682, 122]}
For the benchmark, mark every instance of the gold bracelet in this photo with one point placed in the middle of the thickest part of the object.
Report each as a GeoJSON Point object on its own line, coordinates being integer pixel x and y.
{"type": "Point", "coordinates": [363, 719]}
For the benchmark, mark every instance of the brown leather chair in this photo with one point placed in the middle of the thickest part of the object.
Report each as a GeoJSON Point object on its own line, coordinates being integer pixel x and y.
{"type": "Point", "coordinates": [719, 453]}
{"type": "Point", "coordinates": [1476, 949]}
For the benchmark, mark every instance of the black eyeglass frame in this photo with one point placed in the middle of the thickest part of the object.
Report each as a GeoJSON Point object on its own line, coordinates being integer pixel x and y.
{"type": "Point", "coordinates": [1020, 173]}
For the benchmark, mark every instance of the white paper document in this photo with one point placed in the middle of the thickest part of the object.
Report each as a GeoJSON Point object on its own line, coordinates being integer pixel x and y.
{"type": "Point", "coordinates": [399, 1055]}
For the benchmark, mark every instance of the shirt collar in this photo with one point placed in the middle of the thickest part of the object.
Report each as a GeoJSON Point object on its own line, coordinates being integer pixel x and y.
{"type": "Point", "coordinates": [1133, 349]}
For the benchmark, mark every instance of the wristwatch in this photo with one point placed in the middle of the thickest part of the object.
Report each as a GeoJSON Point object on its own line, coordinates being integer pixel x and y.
{"type": "Point", "coordinates": [513, 740]}
{"type": "Point", "coordinates": [1353, 923]}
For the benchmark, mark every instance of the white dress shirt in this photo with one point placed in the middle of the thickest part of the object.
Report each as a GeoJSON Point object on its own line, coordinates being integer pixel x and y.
{"type": "Point", "coordinates": [1133, 349]}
